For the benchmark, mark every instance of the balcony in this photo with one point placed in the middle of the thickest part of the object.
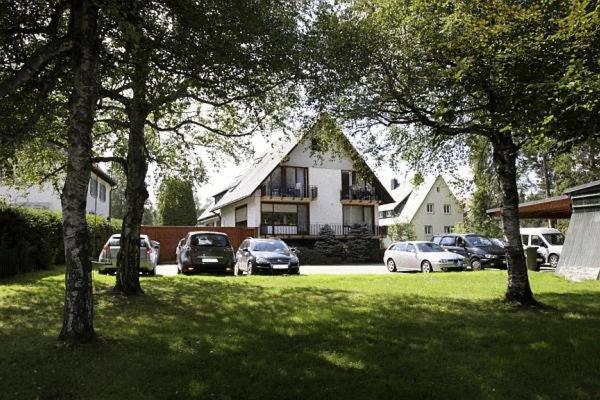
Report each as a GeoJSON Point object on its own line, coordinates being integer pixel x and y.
{"type": "Point", "coordinates": [359, 196]}
{"type": "Point", "coordinates": [312, 230]}
{"type": "Point", "coordinates": [291, 193]}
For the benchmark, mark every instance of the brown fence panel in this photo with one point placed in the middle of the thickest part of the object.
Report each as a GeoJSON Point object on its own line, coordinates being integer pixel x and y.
{"type": "Point", "coordinates": [169, 236]}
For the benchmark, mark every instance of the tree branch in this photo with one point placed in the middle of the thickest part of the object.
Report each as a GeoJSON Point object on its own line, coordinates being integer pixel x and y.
{"type": "Point", "coordinates": [120, 160]}
{"type": "Point", "coordinates": [34, 64]}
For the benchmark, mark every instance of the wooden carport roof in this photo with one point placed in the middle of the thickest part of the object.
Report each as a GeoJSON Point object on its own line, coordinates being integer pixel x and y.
{"type": "Point", "coordinates": [550, 208]}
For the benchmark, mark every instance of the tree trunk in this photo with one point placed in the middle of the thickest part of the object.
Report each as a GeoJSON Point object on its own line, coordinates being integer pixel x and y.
{"type": "Point", "coordinates": [505, 155]}
{"type": "Point", "coordinates": [128, 260]}
{"type": "Point", "coordinates": [78, 321]}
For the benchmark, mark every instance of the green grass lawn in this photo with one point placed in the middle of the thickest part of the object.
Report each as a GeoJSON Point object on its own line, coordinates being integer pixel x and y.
{"type": "Point", "coordinates": [400, 336]}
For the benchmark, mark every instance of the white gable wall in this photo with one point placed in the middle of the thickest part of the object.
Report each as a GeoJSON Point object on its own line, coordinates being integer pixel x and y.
{"type": "Point", "coordinates": [45, 197]}
{"type": "Point", "coordinates": [301, 157]}
{"type": "Point", "coordinates": [438, 219]}
{"type": "Point", "coordinates": [253, 206]}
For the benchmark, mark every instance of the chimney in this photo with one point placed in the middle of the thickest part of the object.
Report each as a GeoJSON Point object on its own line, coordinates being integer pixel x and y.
{"type": "Point", "coordinates": [394, 184]}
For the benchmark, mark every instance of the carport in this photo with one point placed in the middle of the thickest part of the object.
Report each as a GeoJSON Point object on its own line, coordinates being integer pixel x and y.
{"type": "Point", "coordinates": [580, 258]}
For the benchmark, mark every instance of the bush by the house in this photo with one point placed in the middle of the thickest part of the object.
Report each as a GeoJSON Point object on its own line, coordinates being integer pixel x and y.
{"type": "Point", "coordinates": [308, 256]}
{"type": "Point", "coordinates": [402, 231]}
{"type": "Point", "coordinates": [361, 246]}
{"type": "Point", "coordinates": [328, 244]}
{"type": "Point", "coordinates": [32, 239]}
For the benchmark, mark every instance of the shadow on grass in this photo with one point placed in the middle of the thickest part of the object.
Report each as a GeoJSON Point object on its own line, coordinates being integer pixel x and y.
{"type": "Point", "coordinates": [239, 338]}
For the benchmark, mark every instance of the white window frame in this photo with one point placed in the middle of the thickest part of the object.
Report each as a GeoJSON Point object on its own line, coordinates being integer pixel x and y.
{"type": "Point", "coordinates": [447, 209]}
{"type": "Point", "coordinates": [428, 230]}
{"type": "Point", "coordinates": [94, 187]}
{"type": "Point", "coordinates": [432, 211]}
{"type": "Point", "coordinates": [102, 192]}
{"type": "Point", "coordinates": [448, 229]}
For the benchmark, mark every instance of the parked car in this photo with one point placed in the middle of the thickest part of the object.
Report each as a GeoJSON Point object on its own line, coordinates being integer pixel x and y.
{"type": "Point", "coordinates": [107, 261]}
{"type": "Point", "coordinates": [549, 242]}
{"type": "Point", "coordinates": [421, 256]}
{"type": "Point", "coordinates": [501, 242]}
{"type": "Point", "coordinates": [205, 252]}
{"type": "Point", "coordinates": [479, 251]}
{"type": "Point", "coordinates": [156, 246]}
{"type": "Point", "coordinates": [266, 256]}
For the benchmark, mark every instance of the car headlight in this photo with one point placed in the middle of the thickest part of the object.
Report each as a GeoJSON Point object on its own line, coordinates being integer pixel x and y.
{"type": "Point", "coordinates": [294, 260]}
{"type": "Point", "coordinates": [445, 261]}
{"type": "Point", "coordinates": [261, 260]}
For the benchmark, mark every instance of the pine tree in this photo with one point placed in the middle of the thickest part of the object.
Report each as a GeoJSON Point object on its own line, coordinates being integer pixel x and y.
{"type": "Point", "coordinates": [176, 206]}
{"type": "Point", "coordinates": [327, 244]}
{"type": "Point", "coordinates": [360, 244]}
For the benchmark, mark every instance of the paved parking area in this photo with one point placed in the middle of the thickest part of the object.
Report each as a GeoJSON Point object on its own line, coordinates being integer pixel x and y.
{"type": "Point", "coordinates": [171, 269]}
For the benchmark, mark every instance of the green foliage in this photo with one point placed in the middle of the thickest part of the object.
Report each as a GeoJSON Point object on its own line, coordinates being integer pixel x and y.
{"type": "Point", "coordinates": [32, 239]}
{"type": "Point", "coordinates": [29, 239]}
{"type": "Point", "coordinates": [308, 256]}
{"type": "Point", "coordinates": [176, 206]}
{"type": "Point", "coordinates": [361, 246]}
{"type": "Point", "coordinates": [402, 231]}
{"type": "Point", "coordinates": [328, 244]}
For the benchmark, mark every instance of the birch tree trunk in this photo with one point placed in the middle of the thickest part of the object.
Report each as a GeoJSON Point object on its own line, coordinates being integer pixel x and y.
{"type": "Point", "coordinates": [128, 260]}
{"type": "Point", "coordinates": [78, 321]}
{"type": "Point", "coordinates": [505, 156]}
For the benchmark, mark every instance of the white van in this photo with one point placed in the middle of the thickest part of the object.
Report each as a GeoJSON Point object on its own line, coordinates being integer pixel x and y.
{"type": "Point", "coordinates": [549, 242]}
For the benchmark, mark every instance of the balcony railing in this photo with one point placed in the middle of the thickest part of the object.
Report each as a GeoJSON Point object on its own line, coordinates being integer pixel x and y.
{"type": "Point", "coordinates": [359, 194]}
{"type": "Point", "coordinates": [310, 192]}
{"type": "Point", "coordinates": [314, 229]}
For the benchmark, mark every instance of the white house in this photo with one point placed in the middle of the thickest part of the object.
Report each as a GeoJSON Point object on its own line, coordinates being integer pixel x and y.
{"type": "Point", "coordinates": [45, 196]}
{"type": "Point", "coordinates": [293, 191]}
{"type": "Point", "coordinates": [431, 208]}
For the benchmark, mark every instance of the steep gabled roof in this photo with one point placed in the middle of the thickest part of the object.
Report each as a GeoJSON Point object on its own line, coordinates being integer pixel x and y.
{"type": "Point", "coordinates": [409, 199]}
{"type": "Point", "coordinates": [251, 180]}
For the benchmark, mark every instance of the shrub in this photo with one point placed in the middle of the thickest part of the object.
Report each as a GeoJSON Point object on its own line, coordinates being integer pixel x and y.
{"type": "Point", "coordinates": [361, 246]}
{"type": "Point", "coordinates": [32, 239]}
{"type": "Point", "coordinates": [401, 231]}
{"type": "Point", "coordinates": [29, 239]}
{"type": "Point", "coordinates": [329, 245]}
{"type": "Point", "coordinates": [309, 256]}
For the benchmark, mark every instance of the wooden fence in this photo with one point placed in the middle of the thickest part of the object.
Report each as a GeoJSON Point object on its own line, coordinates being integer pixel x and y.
{"type": "Point", "coordinates": [169, 236]}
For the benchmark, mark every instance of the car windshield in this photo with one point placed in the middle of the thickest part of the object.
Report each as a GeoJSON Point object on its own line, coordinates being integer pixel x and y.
{"type": "Point", "coordinates": [478, 241]}
{"type": "Point", "coordinates": [208, 240]}
{"type": "Point", "coordinates": [555, 239]}
{"type": "Point", "coordinates": [116, 242]}
{"type": "Point", "coordinates": [271, 245]}
{"type": "Point", "coordinates": [429, 248]}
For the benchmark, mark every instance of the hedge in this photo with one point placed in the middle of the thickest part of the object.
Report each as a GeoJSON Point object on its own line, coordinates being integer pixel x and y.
{"type": "Point", "coordinates": [31, 239]}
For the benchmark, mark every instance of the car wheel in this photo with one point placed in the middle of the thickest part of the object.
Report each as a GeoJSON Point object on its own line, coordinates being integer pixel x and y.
{"type": "Point", "coordinates": [476, 264]}
{"type": "Point", "coordinates": [153, 272]}
{"type": "Point", "coordinates": [250, 268]}
{"type": "Point", "coordinates": [426, 267]}
{"type": "Point", "coordinates": [553, 260]}
{"type": "Point", "coordinates": [391, 265]}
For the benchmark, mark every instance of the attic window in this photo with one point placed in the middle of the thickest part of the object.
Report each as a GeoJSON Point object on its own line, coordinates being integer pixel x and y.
{"type": "Point", "coordinates": [437, 188]}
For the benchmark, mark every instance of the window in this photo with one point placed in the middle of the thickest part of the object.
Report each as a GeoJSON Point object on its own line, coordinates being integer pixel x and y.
{"type": "Point", "coordinates": [448, 229]}
{"type": "Point", "coordinates": [436, 239]}
{"type": "Point", "coordinates": [430, 208]}
{"type": "Point", "coordinates": [447, 209]}
{"type": "Point", "coordinates": [209, 240]}
{"type": "Point", "coordinates": [428, 230]}
{"type": "Point", "coordinates": [241, 216]}
{"type": "Point", "coordinates": [358, 215]}
{"type": "Point", "coordinates": [536, 241]}
{"type": "Point", "coordinates": [102, 192]}
{"type": "Point", "coordinates": [525, 239]}
{"type": "Point", "coordinates": [381, 215]}
{"type": "Point", "coordinates": [437, 189]}
{"type": "Point", "coordinates": [285, 215]}
{"type": "Point", "coordinates": [411, 248]}
{"type": "Point", "coordinates": [400, 247]}
{"type": "Point", "coordinates": [93, 186]}
{"type": "Point", "coordinates": [448, 241]}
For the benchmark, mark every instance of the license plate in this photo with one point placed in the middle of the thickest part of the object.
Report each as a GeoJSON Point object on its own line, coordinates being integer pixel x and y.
{"type": "Point", "coordinates": [280, 266]}
{"type": "Point", "coordinates": [210, 260]}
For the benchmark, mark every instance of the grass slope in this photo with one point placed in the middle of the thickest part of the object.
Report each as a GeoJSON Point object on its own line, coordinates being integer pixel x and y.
{"type": "Point", "coordinates": [401, 336]}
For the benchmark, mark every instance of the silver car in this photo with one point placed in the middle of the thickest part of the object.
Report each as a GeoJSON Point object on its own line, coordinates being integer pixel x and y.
{"type": "Point", "coordinates": [421, 256]}
{"type": "Point", "coordinates": [149, 252]}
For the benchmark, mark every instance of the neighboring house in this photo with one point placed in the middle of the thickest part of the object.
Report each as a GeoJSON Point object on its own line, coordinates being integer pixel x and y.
{"type": "Point", "coordinates": [431, 208]}
{"type": "Point", "coordinates": [46, 197]}
{"type": "Point", "coordinates": [294, 191]}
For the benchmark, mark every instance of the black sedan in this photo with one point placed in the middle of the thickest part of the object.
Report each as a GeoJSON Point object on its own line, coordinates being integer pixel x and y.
{"type": "Point", "coordinates": [266, 256]}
